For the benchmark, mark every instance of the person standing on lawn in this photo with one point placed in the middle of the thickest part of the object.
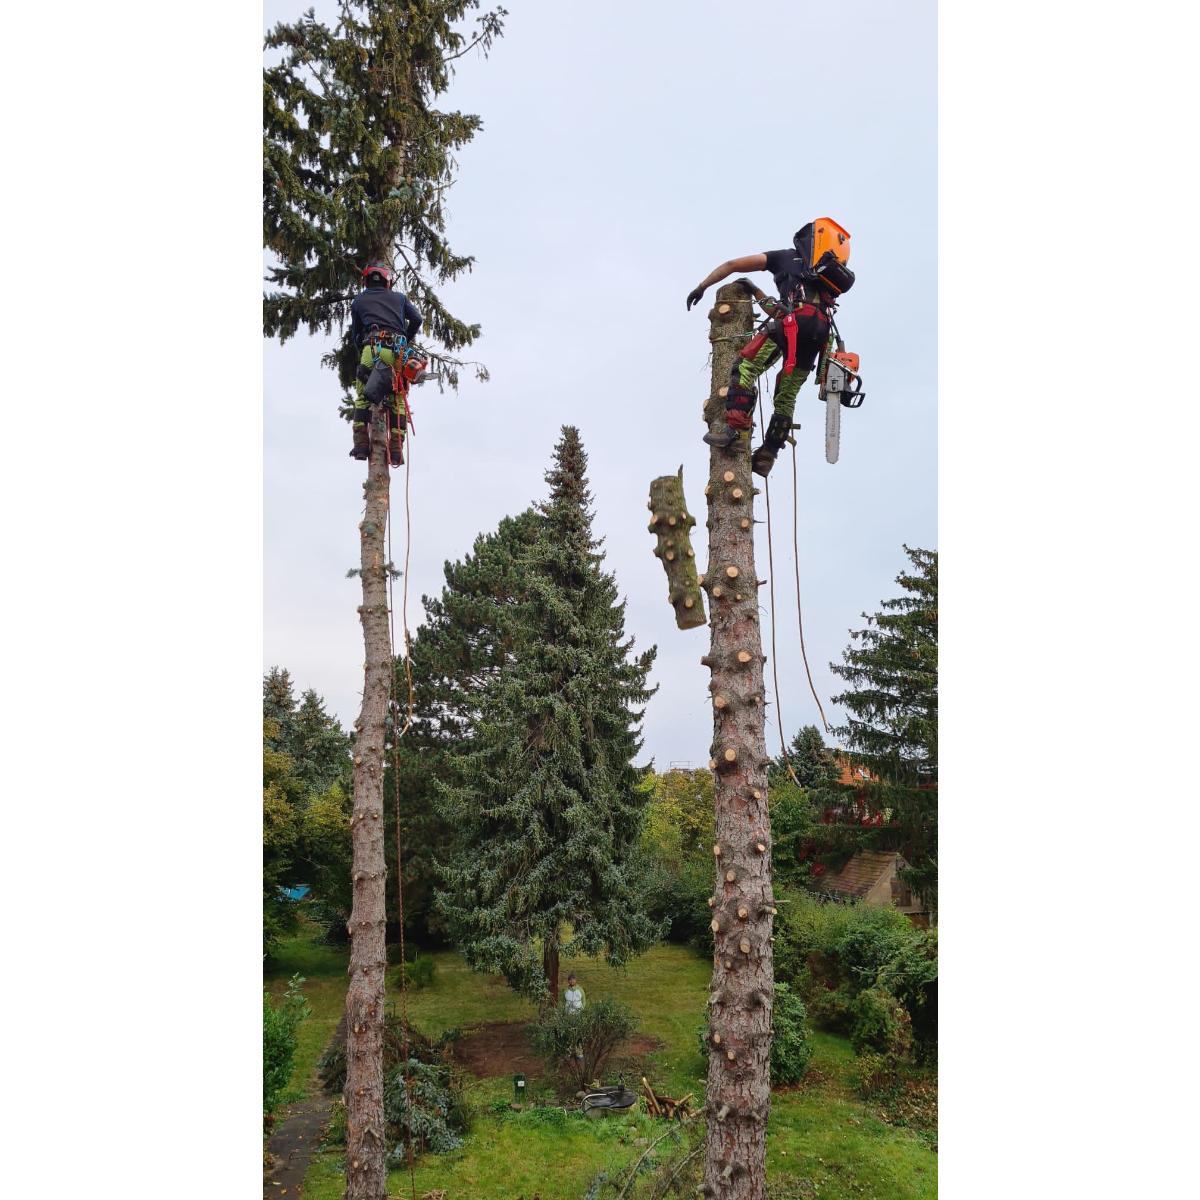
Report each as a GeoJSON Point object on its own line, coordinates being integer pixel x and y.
{"type": "Point", "coordinates": [574, 997]}
{"type": "Point", "coordinates": [574, 1000]}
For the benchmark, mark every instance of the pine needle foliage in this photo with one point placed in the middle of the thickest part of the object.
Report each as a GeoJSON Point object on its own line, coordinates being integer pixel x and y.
{"type": "Point", "coordinates": [891, 670]}
{"type": "Point", "coordinates": [545, 795]}
{"type": "Point", "coordinates": [357, 161]}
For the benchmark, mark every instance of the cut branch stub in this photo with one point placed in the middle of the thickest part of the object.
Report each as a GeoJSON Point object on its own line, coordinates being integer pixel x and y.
{"type": "Point", "coordinates": [672, 525]}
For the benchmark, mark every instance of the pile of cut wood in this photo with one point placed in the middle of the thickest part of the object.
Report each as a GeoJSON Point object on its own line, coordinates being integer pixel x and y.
{"type": "Point", "coordinates": [664, 1106]}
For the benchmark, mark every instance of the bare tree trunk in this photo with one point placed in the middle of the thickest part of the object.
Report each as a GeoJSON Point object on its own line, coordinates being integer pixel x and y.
{"type": "Point", "coordinates": [366, 1167]}
{"type": "Point", "coordinates": [740, 1002]}
{"type": "Point", "coordinates": [550, 967]}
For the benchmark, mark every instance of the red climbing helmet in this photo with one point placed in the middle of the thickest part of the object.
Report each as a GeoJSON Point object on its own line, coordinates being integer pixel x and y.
{"type": "Point", "coordinates": [381, 269]}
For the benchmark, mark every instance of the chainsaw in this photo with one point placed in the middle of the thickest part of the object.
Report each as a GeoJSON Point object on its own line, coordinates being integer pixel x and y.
{"type": "Point", "coordinates": [840, 385]}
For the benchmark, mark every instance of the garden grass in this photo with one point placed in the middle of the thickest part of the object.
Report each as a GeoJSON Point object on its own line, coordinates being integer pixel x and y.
{"type": "Point", "coordinates": [324, 987]}
{"type": "Point", "coordinates": [823, 1143]}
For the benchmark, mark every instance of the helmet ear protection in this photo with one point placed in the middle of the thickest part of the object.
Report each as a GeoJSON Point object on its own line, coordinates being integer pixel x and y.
{"type": "Point", "coordinates": [380, 269]}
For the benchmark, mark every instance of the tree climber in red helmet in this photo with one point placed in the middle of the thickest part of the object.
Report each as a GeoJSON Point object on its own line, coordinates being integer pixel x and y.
{"type": "Point", "coordinates": [382, 323]}
{"type": "Point", "coordinates": [810, 276]}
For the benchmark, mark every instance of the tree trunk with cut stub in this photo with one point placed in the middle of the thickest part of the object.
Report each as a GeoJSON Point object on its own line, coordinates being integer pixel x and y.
{"type": "Point", "coordinates": [366, 1165]}
{"type": "Point", "coordinates": [672, 523]}
{"type": "Point", "coordinates": [740, 1001]}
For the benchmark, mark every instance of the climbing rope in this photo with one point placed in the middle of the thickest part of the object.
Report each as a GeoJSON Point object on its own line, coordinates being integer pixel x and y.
{"type": "Point", "coordinates": [397, 734]}
{"type": "Point", "coordinates": [771, 589]}
{"type": "Point", "coordinates": [799, 609]}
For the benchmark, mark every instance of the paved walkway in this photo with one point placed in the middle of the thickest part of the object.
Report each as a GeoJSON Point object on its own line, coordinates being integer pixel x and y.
{"type": "Point", "coordinates": [296, 1136]}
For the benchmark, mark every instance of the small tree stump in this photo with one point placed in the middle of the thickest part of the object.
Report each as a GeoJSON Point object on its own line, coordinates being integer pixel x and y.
{"type": "Point", "coordinates": [671, 523]}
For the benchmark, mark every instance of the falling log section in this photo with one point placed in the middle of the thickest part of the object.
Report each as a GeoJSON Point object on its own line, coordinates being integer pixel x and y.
{"type": "Point", "coordinates": [672, 522]}
{"type": "Point", "coordinates": [738, 1098]}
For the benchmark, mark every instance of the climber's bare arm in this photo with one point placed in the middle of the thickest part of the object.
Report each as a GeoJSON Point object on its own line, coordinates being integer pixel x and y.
{"type": "Point", "coordinates": [748, 262]}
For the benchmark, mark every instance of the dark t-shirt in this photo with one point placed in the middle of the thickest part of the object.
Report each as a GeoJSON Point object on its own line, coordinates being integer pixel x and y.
{"type": "Point", "coordinates": [790, 271]}
{"type": "Point", "coordinates": [385, 309]}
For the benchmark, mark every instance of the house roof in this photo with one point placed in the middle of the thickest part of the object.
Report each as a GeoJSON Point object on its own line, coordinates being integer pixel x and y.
{"type": "Point", "coordinates": [863, 872]}
{"type": "Point", "coordinates": [850, 775]}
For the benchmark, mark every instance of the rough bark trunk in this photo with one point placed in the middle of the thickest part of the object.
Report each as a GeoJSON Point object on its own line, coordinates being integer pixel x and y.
{"type": "Point", "coordinates": [550, 968]}
{"type": "Point", "coordinates": [366, 1168]}
{"type": "Point", "coordinates": [672, 522]}
{"type": "Point", "coordinates": [740, 1001]}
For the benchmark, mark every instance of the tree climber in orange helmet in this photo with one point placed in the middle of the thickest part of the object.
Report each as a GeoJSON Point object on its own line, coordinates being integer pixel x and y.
{"type": "Point", "coordinates": [809, 278]}
{"type": "Point", "coordinates": [382, 324]}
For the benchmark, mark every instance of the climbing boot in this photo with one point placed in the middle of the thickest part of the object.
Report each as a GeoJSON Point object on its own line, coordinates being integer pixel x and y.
{"type": "Point", "coordinates": [362, 442]}
{"type": "Point", "coordinates": [779, 431]}
{"type": "Point", "coordinates": [397, 423]}
{"type": "Point", "coordinates": [726, 439]}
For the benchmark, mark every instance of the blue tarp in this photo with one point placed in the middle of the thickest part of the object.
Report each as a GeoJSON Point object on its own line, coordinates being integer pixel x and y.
{"type": "Point", "coordinates": [296, 893]}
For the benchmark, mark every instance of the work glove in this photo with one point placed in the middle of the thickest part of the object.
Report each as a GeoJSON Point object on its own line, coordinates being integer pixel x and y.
{"type": "Point", "coordinates": [694, 297]}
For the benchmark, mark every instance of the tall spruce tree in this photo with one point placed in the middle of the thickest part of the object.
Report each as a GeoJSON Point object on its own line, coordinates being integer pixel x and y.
{"type": "Point", "coordinates": [545, 795]}
{"type": "Point", "coordinates": [357, 161]}
{"type": "Point", "coordinates": [891, 669]}
{"type": "Point", "coordinates": [468, 636]}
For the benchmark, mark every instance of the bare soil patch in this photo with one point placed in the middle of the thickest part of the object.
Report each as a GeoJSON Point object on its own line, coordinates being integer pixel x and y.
{"type": "Point", "coordinates": [503, 1048]}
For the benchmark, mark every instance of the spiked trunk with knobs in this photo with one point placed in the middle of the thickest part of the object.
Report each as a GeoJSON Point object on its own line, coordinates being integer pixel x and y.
{"type": "Point", "coordinates": [740, 1002]}
{"type": "Point", "coordinates": [366, 1167]}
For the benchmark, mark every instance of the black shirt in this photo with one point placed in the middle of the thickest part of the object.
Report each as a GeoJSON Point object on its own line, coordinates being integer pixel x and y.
{"type": "Point", "coordinates": [384, 309]}
{"type": "Point", "coordinates": [793, 277]}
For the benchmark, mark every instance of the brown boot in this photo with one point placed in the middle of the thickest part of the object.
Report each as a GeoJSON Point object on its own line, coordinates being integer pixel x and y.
{"type": "Point", "coordinates": [396, 448]}
{"type": "Point", "coordinates": [362, 442]}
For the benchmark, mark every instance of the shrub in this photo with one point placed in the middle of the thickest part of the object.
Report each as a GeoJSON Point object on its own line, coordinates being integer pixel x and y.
{"type": "Point", "coordinates": [878, 1077]}
{"type": "Point", "coordinates": [416, 974]}
{"type": "Point", "coordinates": [427, 1107]}
{"type": "Point", "coordinates": [880, 1024]}
{"type": "Point", "coordinates": [790, 1046]}
{"type": "Point", "coordinates": [332, 1064]}
{"type": "Point", "coordinates": [576, 1045]}
{"type": "Point", "coordinates": [279, 1040]}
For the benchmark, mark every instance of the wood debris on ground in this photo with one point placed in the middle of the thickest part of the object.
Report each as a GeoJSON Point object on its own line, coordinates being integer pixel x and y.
{"type": "Point", "coordinates": [664, 1106]}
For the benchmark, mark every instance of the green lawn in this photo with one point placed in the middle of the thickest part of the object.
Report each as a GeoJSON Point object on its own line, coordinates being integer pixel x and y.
{"type": "Point", "coordinates": [824, 1143]}
{"type": "Point", "coordinates": [324, 971]}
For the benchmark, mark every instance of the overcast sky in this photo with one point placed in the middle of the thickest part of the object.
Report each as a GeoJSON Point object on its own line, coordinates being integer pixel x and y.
{"type": "Point", "coordinates": [627, 149]}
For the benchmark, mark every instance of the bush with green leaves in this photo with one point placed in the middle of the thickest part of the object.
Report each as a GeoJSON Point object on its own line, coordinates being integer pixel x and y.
{"type": "Point", "coordinates": [576, 1045]}
{"type": "Point", "coordinates": [280, 1022]}
{"type": "Point", "coordinates": [880, 1024]}
{"type": "Point", "coordinates": [416, 973]}
{"type": "Point", "coordinates": [831, 952]}
{"type": "Point", "coordinates": [791, 1049]}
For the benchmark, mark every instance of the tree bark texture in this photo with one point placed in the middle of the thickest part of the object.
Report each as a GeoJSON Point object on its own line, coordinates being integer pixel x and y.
{"type": "Point", "coordinates": [366, 1166]}
{"type": "Point", "coordinates": [740, 1001]}
{"type": "Point", "coordinates": [550, 967]}
{"type": "Point", "coordinates": [672, 522]}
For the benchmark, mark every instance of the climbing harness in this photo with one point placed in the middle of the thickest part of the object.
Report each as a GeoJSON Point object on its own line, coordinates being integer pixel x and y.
{"type": "Point", "coordinates": [837, 374]}
{"type": "Point", "coordinates": [384, 381]}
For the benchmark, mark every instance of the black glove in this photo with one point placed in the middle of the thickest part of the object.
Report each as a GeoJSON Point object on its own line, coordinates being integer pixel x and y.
{"type": "Point", "coordinates": [694, 297]}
